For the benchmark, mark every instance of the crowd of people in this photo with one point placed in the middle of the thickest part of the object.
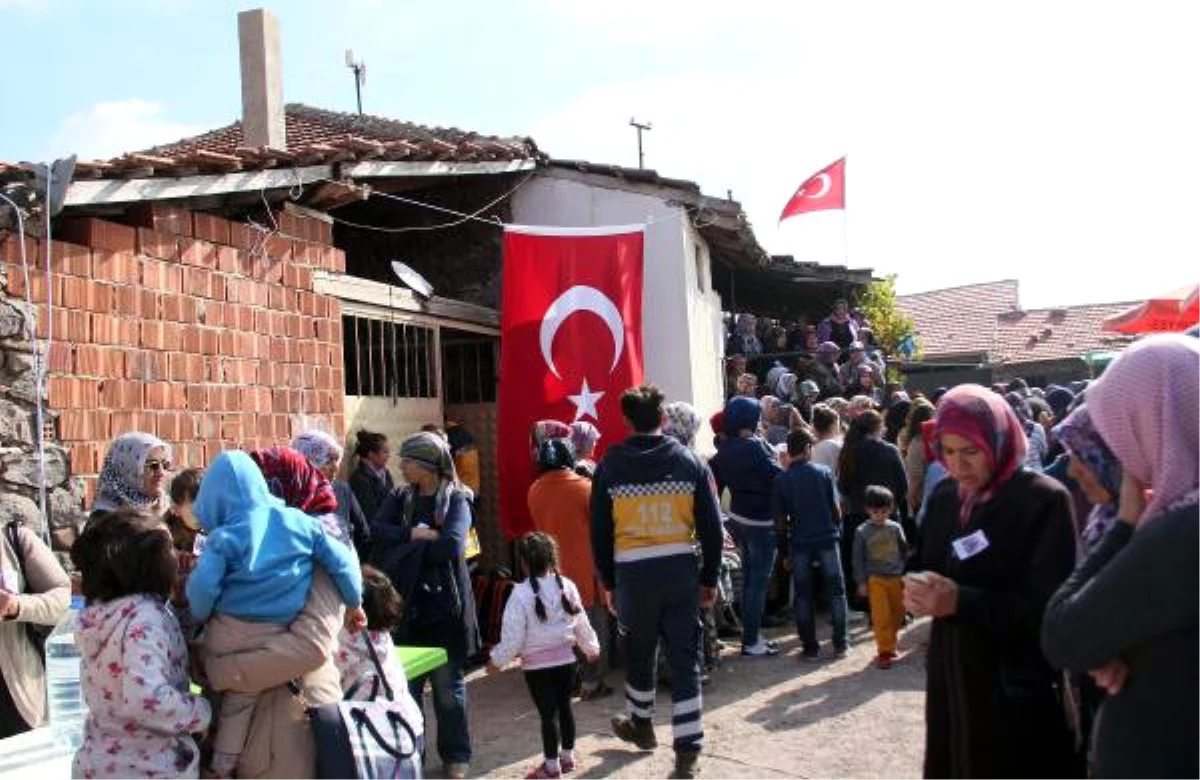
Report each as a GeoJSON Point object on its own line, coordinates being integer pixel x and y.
{"type": "Point", "coordinates": [1049, 533]}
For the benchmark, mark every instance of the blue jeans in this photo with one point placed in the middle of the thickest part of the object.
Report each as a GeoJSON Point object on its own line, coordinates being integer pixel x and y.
{"type": "Point", "coordinates": [450, 704]}
{"type": "Point", "coordinates": [757, 547]}
{"type": "Point", "coordinates": [833, 585]}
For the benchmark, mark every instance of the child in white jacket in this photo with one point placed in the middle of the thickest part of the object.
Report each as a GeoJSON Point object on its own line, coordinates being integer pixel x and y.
{"type": "Point", "coordinates": [543, 622]}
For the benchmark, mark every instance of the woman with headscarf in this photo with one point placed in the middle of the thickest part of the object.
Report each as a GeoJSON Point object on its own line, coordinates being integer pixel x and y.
{"type": "Point", "coordinates": [774, 425]}
{"type": "Point", "coordinates": [996, 542]}
{"type": "Point", "coordinates": [1129, 613]}
{"type": "Point", "coordinates": [134, 475]}
{"type": "Point", "coordinates": [280, 741]}
{"type": "Point", "coordinates": [559, 501]}
{"type": "Point", "coordinates": [1035, 435]}
{"type": "Point", "coordinates": [747, 466]}
{"type": "Point", "coordinates": [824, 370]}
{"type": "Point", "coordinates": [584, 436]}
{"type": "Point", "coordinates": [839, 327]}
{"type": "Point", "coordinates": [419, 537]}
{"type": "Point", "coordinates": [744, 339]}
{"type": "Point", "coordinates": [912, 451]}
{"type": "Point", "coordinates": [325, 454]}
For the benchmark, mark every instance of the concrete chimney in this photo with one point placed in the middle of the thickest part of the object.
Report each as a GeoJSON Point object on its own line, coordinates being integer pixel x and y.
{"type": "Point", "coordinates": [262, 80]}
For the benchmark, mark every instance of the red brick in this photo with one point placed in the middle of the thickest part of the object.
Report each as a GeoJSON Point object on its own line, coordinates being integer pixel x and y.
{"type": "Point", "coordinates": [198, 282]}
{"type": "Point", "coordinates": [277, 297]}
{"type": "Point", "coordinates": [124, 421]}
{"type": "Point", "coordinates": [162, 217]}
{"type": "Point", "coordinates": [211, 228]}
{"type": "Point", "coordinates": [197, 398]}
{"type": "Point", "coordinates": [89, 360]}
{"type": "Point", "coordinates": [198, 253]}
{"type": "Point", "coordinates": [145, 365]}
{"type": "Point", "coordinates": [69, 259]}
{"type": "Point", "coordinates": [157, 244]}
{"type": "Point", "coordinates": [170, 307]}
{"type": "Point", "coordinates": [78, 425]}
{"type": "Point", "coordinates": [209, 341]}
{"type": "Point", "coordinates": [69, 326]}
{"type": "Point", "coordinates": [210, 313]}
{"type": "Point", "coordinates": [10, 251]}
{"type": "Point", "coordinates": [85, 458]}
{"type": "Point", "coordinates": [242, 236]}
{"type": "Point", "coordinates": [177, 366]}
{"type": "Point", "coordinates": [99, 234]}
{"type": "Point", "coordinates": [228, 259]}
{"type": "Point", "coordinates": [208, 426]}
{"type": "Point", "coordinates": [153, 335]}
{"type": "Point", "coordinates": [112, 266]}
{"type": "Point", "coordinates": [121, 394]}
{"type": "Point", "coordinates": [168, 426]}
{"type": "Point", "coordinates": [148, 304]}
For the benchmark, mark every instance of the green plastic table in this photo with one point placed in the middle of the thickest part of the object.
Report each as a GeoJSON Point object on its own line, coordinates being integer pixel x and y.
{"type": "Point", "coordinates": [420, 660]}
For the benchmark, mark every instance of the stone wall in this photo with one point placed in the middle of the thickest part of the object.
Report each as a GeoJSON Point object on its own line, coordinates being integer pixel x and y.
{"type": "Point", "coordinates": [200, 330]}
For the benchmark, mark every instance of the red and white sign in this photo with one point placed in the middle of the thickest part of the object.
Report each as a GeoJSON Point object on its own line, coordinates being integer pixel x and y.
{"type": "Point", "coordinates": [570, 342]}
{"type": "Point", "coordinates": [823, 191]}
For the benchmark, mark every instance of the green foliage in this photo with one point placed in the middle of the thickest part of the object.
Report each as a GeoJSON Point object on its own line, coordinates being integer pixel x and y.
{"type": "Point", "coordinates": [888, 324]}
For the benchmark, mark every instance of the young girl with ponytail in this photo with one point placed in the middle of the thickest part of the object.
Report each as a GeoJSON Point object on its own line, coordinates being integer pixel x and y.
{"type": "Point", "coordinates": [543, 622]}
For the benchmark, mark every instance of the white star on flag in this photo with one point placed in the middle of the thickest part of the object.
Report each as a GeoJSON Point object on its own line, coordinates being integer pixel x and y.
{"type": "Point", "coordinates": [585, 403]}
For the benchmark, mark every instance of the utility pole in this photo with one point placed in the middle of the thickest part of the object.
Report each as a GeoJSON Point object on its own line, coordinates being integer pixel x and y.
{"type": "Point", "coordinates": [360, 76]}
{"type": "Point", "coordinates": [640, 127]}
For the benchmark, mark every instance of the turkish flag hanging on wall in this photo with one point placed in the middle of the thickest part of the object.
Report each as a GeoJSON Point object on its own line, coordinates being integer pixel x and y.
{"type": "Point", "coordinates": [823, 191]}
{"type": "Point", "coordinates": [570, 342]}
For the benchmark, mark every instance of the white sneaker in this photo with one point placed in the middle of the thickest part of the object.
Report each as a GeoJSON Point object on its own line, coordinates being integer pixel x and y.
{"type": "Point", "coordinates": [761, 648]}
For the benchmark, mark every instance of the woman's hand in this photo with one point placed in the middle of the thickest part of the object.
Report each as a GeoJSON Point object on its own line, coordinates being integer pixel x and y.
{"type": "Point", "coordinates": [10, 605]}
{"type": "Point", "coordinates": [356, 619]}
{"type": "Point", "coordinates": [493, 669]}
{"type": "Point", "coordinates": [1111, 677]}
{"type": "Point", "coordinates": [1133, 499]}
{"type": "Point", "coordinates": [425, 534]}
{"type": "Point", "coordinates": [931, 595]}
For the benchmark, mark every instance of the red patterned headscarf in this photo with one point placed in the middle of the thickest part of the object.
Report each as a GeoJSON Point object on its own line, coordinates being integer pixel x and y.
{"type": "Point", "coordinates": [986, 420]}
{"type": "Point", "coordinates": [291, 477]}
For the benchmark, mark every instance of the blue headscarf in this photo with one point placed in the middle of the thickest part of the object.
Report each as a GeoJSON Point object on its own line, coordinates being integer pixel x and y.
{"type": "Point", "coordinates": [1079, 436]}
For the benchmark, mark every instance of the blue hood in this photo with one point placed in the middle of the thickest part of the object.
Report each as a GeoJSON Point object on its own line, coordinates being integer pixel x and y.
{"type": "Point", "coordinates": [741, 412]}
{"type": "Point", "coordinates": [232, 486]}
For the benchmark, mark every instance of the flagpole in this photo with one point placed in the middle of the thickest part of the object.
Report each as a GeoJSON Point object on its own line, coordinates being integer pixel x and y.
{"type": "Point", "coordinates": [845, 232]}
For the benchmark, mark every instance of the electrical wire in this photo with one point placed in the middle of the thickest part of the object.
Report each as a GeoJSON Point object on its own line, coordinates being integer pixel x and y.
{"type": "Point", "coordinates": [463, 217]}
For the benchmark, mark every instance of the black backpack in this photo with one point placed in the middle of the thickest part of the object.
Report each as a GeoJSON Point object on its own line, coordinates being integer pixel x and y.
{"type": "Point", "coordinates": [36, 632]}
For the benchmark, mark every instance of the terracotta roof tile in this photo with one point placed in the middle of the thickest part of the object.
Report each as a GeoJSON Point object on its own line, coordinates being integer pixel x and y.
{"type": "Point", "coordinates": [314, 136]}
{"type": "Point", "coordinates": [1053, 334]}
{"type": "Point", "coordinates": [958, 320]}
{"type": "Point", "coordinates": [987, 318]}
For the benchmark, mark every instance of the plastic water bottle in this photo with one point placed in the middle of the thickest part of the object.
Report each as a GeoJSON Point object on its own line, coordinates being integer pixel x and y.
{"type": "Point", "coordinates": [63, 684]}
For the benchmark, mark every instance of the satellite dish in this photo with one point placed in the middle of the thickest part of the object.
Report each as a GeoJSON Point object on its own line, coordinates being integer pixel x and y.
{"type": "Point", "coordinates": [411, 279]}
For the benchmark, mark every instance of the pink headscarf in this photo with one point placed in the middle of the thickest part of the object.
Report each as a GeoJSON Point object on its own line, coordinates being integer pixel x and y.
{"type": "Point", "coordinates": [1145, 408]}
{"type": "Point", "coordinates": [986, 420]}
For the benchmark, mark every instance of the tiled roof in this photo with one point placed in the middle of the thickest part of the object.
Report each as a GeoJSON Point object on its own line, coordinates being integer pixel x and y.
{"type": "Point", "coordinates": [959, 320]}
{"type": "Point", "coordinates": [314, 136]}
{"type": "Point", "coordinates": [1053, 334]}
{"type": "Point", "coordinates": [987, 319]}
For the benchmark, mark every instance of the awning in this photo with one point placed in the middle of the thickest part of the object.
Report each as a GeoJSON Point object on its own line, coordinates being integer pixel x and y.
{"type": "Point", "coordinates": [1170, 313]}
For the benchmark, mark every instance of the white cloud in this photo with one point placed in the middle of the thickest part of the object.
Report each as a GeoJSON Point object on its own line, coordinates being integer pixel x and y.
{"type": "Point", "coordinates": [110, 128]}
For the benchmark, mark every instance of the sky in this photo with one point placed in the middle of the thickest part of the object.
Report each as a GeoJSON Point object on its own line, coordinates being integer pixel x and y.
{"type": "Point", "coordinates": [1053, 143]}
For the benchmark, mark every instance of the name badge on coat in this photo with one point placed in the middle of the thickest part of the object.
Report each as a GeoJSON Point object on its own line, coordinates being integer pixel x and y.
{"type": "Point", "coordinates": [971, 545]}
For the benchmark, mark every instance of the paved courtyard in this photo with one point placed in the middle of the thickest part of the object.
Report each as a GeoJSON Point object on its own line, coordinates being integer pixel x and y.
{"type": "Point", "coordinates": [763, 718]}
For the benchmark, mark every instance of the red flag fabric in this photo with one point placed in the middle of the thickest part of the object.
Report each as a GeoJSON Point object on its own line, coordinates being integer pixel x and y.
{"type": "Point", "coordinates": [823, 191]}
{"type": "Point", "coordinates": [570, 343]}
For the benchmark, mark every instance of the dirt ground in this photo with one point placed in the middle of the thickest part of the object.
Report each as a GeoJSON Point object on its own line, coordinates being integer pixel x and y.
{"type": "Point", "coordinates": [776, 717]}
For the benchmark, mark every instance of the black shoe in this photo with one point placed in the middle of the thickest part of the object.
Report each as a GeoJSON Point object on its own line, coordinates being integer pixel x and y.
{"type": "Point", "coordinates": [687, 763]}
{"type": "Point", "coordinates": [636, 730]}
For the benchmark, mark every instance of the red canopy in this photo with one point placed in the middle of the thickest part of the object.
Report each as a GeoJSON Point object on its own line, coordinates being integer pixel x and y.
{"type": "Point", "coordinates": [1175, 311]}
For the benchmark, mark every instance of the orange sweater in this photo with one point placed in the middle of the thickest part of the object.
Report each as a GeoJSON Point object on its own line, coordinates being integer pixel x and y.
{"type": "Point", "coordinates": [558, 504]}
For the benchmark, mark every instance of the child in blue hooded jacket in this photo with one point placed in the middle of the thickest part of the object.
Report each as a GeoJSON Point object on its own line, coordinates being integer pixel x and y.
{"type": "Point", "coordinates": [253, 577]}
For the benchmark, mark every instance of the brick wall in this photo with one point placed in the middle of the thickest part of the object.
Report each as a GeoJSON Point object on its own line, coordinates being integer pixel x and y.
{"type": "Point", "coordinates": [188, 326]}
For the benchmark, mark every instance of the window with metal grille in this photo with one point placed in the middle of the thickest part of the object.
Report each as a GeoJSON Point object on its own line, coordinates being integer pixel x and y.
{"type": "Point", "coordinates": [469, 369]}
{"type": "Point", "coordinates": [388, 359]}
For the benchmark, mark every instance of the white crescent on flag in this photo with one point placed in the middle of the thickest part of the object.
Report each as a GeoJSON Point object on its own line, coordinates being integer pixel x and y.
{"type": "Point", "coordinates": [581, 298]}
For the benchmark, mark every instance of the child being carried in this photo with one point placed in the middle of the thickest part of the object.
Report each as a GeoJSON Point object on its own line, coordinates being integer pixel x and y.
{"type": "Point", "coordinates": [255, 573]}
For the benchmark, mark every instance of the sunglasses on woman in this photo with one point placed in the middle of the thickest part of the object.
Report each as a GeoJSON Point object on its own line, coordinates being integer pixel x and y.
{"type": "Point", "coordinates": [157, 465]}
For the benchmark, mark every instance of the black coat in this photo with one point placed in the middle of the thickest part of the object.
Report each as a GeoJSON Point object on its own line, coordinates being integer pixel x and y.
{"type": "Point", "coordinates": [432, 576]}
{"type": "Point", "coordinates": [1137, 597]}
{"type": "Point", "coordinates": [992, 706]}
{"type": "Point", "coordinates": [369, 489]}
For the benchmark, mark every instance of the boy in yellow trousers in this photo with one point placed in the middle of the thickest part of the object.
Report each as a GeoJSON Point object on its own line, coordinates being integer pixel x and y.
{"type": "Point", "coordinates": [880, 550]}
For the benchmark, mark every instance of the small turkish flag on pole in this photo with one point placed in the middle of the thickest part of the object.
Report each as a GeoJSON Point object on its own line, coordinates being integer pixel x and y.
{"type": "Point", "coordinates": [570, 343]}
{"type": "Point", "coordinates": [824, 191]}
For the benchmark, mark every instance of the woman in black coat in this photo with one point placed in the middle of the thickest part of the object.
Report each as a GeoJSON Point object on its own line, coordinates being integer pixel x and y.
{"type": "Point", "coordinates": [997, 541]}
{"type": "Point", "coordinates": [1129, 614]}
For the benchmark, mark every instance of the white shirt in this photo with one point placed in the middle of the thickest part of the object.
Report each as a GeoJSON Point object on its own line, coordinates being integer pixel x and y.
{"type": "Point", "coordinates": [826, 452]}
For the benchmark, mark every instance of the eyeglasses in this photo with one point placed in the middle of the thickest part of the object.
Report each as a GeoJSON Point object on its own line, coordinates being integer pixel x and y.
{"type": "Point", "coordinates": [157, 465]}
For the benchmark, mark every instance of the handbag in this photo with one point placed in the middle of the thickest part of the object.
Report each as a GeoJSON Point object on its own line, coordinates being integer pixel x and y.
{"type": "Point", "coordinates": [36, 632]}
{"type": "Point", "coordinates": [365, 739]}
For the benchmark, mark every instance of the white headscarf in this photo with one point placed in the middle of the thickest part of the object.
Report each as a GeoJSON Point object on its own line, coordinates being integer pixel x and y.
{"type": "Point", "coordinates": [121, 475]}
{"type": "Point", "coordinates": [318, 447]}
